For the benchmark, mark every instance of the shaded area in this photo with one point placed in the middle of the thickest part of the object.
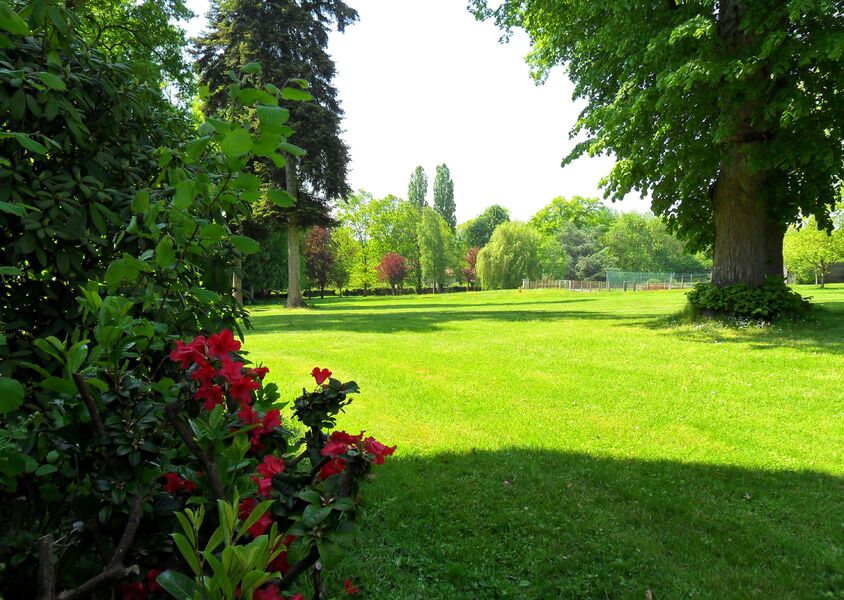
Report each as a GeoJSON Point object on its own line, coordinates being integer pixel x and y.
{"type": "Point", "coordinates": [521, 523]}
{"type": "Point", "coordinates": [822, 330]}
{"type": "Point", "coordinates": [417, 321]}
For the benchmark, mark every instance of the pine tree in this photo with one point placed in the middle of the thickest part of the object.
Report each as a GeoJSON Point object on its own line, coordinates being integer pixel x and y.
{"type": "Point", "coordinates": [289, 40]}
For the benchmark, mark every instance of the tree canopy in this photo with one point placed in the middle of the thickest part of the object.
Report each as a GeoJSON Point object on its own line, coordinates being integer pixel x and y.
{"type": "Point", "coordinates": [444, 196]}
{"type": "Point", "coordinates": [417, 187]}
{"type": "Point", "coordinates": [476, 232]}
{"type": "Point", "coordinates": [511, 255]}
{"type": "Point", "coordinates": [728, 113]}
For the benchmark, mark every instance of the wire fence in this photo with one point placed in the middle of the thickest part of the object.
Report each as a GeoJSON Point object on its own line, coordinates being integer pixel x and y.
{"type": "Point", "coordinates": [622, 281]}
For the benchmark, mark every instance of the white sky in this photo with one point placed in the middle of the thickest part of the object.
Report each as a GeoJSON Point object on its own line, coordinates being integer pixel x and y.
{"type": "Point", "coordinates": [423, 83]}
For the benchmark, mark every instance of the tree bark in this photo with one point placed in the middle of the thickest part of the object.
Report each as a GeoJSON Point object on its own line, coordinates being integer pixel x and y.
{"type": "Point", "coordinates": [294, 279]}
{"type": "Point", "coordinates": [740, 215]}
{"type": "Point", "coordinates": [774, 236]}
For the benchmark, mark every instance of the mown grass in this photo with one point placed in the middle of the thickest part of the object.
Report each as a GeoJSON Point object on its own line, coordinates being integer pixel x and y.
{"type": "Point", "coordinates": [565, 445]}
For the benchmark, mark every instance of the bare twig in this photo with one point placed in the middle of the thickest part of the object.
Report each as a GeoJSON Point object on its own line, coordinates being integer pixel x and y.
{"type": "Point", "coordinates": [108, 577]}
{"type": "Point", "coordinates": [46, 568]}
{"type": "Point", "coordinates": [297, 460]}
{"type": "Point", "coordinates": [129, 533]}
{"type": "Point", "coordinates": [316, 578]}
{"type": "Point", "coordinates": [85, 392]}
{"type": "Point", "coordinates": [207, 462]}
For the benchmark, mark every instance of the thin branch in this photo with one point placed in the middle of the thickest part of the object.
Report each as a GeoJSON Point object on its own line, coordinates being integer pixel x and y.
{"type": "Point", "coordinates": [297, 460]}
{"type": "Point", "coordinates": [299, 568]}
{"type": "Point", "coordinates": [85, 392]}
{"type": "Point", "coordinates": [207, 462]}
{"type": "Point", "coordinates": [46, 568]}
{"type": "Point", "coordinates": [108, 577]}
{"type": "Point", "coordinates": [129, 533]}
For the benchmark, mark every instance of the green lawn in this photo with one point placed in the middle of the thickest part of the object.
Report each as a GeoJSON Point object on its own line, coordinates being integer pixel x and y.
{"type": "Point", "coordinates": [565, 445]}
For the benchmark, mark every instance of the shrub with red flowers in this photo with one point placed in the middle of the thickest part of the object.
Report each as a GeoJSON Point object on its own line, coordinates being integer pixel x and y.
{"type": "Point", "coordinates": [392, 269]}
{"type": "Point", "coordinates": [296, 497]}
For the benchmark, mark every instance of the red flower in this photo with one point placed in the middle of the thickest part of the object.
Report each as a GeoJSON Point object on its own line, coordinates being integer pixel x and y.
{"type": "Point", "coordinates": [265, 486]}
{"type": "Point", "coordinates": [241, 390]}
{"type": "Point", "coordinates": [176, 484]}
{"type": "Point", "coordinates": [133, 591]}
{"type": "Point", "coordinates": [261, 525]}
{"type": "Point", "coordinates": [259, 372]}
{"type": "Point", "coordinates": [204, 371]}
{"type": "Point", "coordinates": [220, 345]}
{"type": "Point", "coordinates": [271, 420]}
{"type": "Point", "coordinates": [185, 354]}
{"type": "Point", "coordinates": [340, 442]}
{"type": "Point", "coordinates": [211, 394]}
{"type": "Point", "coordinates": [152, 583]}
{"type": "Point", "coordinates": [377, 449]}
{"type": "Point", "coordinates": [268, 593]}
{"type": "Point", "coordinates": [350, 589]}
{"type": "Point", "coordinates": [279, 563]}
{"type": "Point", "coordinates": [297, 597]}
{"type": "Point", "coordinates": [332, 467]}
{"type": "Point", "coordinates": [271, 465]}
{"type": "Point", "coordinates": [320, 375]}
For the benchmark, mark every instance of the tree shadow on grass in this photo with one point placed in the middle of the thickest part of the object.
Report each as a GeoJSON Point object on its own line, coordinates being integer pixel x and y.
{"type": "Point", "coordinates": [531, 524]}
{"type": "Point", "coordinates": [821, 331]}
{"type": "Point", "coordinates": [370, 303]}
{"type": "Point", "coordinates": [415, 321]}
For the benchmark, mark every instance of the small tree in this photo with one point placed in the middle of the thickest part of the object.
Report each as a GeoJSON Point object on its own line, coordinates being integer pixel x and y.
{"type": "Point", "coordinates": [320, 256]}
{"type": "Point", "coordinates": [511, 255]}
{"type": "Point", "coordinates": [810, 251]}
{"type": "Point", "coordinates": [392, 269]}
{"type": "Point", "coordinates": [436, 244]}
{"type": "Point", "coordinates": [469, 271]}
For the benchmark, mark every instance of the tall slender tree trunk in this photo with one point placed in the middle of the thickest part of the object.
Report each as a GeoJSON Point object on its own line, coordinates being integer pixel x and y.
{"type": "Point", "coordinates": [294, 268]}
{"type": "Point", "coordinates": [740, 215]}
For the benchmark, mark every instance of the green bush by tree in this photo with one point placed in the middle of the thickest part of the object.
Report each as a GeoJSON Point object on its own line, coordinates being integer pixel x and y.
{"type": "Point", "coordinates": [772, 300]}
{"type": "Point", "coordinates": [437, 249]}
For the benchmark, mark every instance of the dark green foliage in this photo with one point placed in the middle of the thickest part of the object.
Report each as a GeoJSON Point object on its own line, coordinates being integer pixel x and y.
{"type": "Point", "coordinates": [417, 188]}
{"type": "Point", "coordinates": [289, 39]}
{"type": "Point", "coordinates": [444, 196]}
{"type": "Point", "coordinates": [475, 233]}
{"type": "Point", "coordinates": [772, 300]}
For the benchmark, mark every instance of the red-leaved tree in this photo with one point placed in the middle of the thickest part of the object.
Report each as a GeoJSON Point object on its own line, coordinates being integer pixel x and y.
{"type": "Point", "coordinates": [469, 271]}
{"type": "Point", "coordinates": [392, 269]}
{"type": "Point", "coordinates": [319, 257]}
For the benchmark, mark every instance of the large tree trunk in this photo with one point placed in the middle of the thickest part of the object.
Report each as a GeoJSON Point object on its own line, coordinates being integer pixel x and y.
{"type": "Point", "coordinates": [740, 215]}
{"type": "Point", "coordinates": [294, 284]}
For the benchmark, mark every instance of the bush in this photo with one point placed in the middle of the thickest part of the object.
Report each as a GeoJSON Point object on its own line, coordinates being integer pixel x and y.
{"type": "Point", "coordinates": [120, 237]}
{"type": "Point", "coordinates": [768, 302]}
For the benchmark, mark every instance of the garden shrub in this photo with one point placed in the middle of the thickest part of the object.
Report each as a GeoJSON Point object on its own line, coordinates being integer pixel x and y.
{"type": "Point", "coordinates": [120, 238]}
{"type": "Point", "coordinates": [770, 301]}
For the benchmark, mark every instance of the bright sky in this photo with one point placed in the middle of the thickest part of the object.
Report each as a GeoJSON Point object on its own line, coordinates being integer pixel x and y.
{"type": "Point", "coordinates": [423, 83]}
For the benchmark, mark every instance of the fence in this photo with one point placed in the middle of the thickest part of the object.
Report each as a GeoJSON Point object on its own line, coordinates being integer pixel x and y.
{"type": "Point", "coordinates": [622, 281]}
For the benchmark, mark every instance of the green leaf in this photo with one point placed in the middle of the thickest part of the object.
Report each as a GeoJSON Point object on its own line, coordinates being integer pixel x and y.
{"type": "Point", "coordinates": [253, 517]}
{"type": "Point", "coordinates": [11, 21]}
{"type": "Point", "coordinates": [140, 203]}
{"type": "Point", "coordinates": [329, 553]}
{"type": "Point", "coordinates": [30, 144]}
{"type": "Point", "coordinates": [251, 68]}
{"type": "Point", "coordinates": [188, 552]}
{"type": "Point", "coordinates": [9, 271]}
{"type": "Point", "coordinates": [313, 515]}
{"type": "Point", "coordinates": [11, 394]}
{"type": "Point", "coordinates": [295, 94]}
{"type": "Point", "coordinates": [246, 181]}
{"type": "Point", "coordinates": [245, 244]}
{"type": "Point", "coordinates": [281, 198]}
{"type": "Point", "coordinates": [177, 585]}
{"type": "Point", "coordinates": [183, 197]}
{"type": "Point", "coordinates": [212, 232]}
{"type": "Point", "coordinates": [14, 209]}
{"type": "Point", "coordinates": [164, 254]}
{"type": "Point", "coordinates": [52, 81]}
{"type": "Point", "coordinates": [272, 116]}
{"type": "Point", "coordinates": [236, 143]}
{"type": "Point", "coordinates": [205, 296]}
{"type": "Point", "coordinates": [46, 470]}
{"type": "Point", "coordinates": [292, 149]}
